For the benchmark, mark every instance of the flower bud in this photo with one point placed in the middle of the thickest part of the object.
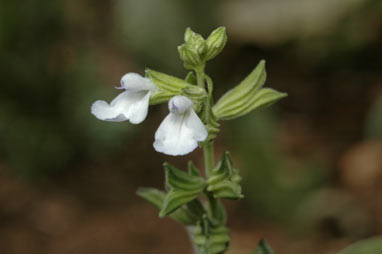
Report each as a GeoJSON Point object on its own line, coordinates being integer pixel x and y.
{"type": "Point", "coordinates": [216, 42]}
{"type": "Point", "coordinates": [187, 34]}
{"type": "Point", "coordinates": [193, 51]}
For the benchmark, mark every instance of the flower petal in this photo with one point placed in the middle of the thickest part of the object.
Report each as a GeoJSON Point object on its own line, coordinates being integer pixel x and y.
{"type": "Point", "coordinates": [193, 122]}
{"type": "Point", "coordinates": [179, 104]}
{"type": "Point", "coordinates": [138, 110]}
{"type": "Point", "coordinates": [135, 82]}
{"type": "Point", "coordinates": [128, 105]}
{"type": "Point", "coordinates": [179, 134]}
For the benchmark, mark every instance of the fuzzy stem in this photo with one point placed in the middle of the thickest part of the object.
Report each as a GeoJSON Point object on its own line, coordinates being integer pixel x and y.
{"type": "Point", "coordinates": [209, 161]}
{"type": "Point", "coordinates": [200, 76]}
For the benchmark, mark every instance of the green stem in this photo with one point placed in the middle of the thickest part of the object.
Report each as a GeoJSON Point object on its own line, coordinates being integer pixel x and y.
{"type": "Point", "coordinates": [200, 76]}
{"type": "Point", "coordinates": [209, 160]}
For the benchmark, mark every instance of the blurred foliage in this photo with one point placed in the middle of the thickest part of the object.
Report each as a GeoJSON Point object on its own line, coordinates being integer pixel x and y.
{"type": "Point", "coordinates": [374, 120]}
{"type": "Point", "coordinates": [272, 186]}
{"type": "Point", "coordinates": [148, 25]}
{"type": "Point", "coordinates": [368, 246]}
{"type": "Point", "coordinates": [47, 87]}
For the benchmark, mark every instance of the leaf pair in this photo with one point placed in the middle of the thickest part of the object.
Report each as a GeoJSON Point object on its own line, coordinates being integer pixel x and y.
{"type": "Point", "coordinates": [183, 189]}
{"type": "Point", "coordinates": [223, 181]}
{"type": "Point", "coordinates": [247, 96]}
{"type": "Point", "coordinates": [170, 86]}
{"type": "Point", "coordinates": [184, 215]}
{"type": "Point", "coordinates": [211, 239]}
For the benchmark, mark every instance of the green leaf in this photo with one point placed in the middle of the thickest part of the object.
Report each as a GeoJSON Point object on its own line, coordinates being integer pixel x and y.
{"type": "Point", "coordinates": [153, 196]}
{"type": "Point", "coordinates": [247, 96]}
{"type": "Point", "coordinates": [216, 42]}
{"type": "Point", "coordinates": [168, 86]}
{"type": "Point", "coordinates": [368, 246]}
{"type": "Point", "coordinates": [166, 82]}
{"type": "Point", "coordinates": [189, 215]}
{"type": "Point", "coordinates": [263, 248]}
{"type": "Point", "coordinates": [211, 239]}
{"type": "Point", "coordinates": [224, 180]}
{"type": "Point", "coordinates": [183, 189]}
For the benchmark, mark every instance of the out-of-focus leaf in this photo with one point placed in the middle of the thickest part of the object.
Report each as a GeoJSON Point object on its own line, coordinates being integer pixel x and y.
{"type": "Point", "coordinates": [211, 239]}
{"type": "Point", "coordinates": [263, 248]}
{"type": "Point", "coordinates": [368, 246]}
{"type": "Point", "coordinates": [189, 215]}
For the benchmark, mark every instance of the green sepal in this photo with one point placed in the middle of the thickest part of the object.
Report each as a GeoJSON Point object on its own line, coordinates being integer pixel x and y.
{"type": "Point", "coordinates": [166, 82]}
{"type": "Point", "coordinates": [209, 119]}
{"type": "Point", "coordinates": [224, 180]}
{"type": "Point", "coordinates": [168, 86]}
{"type": "Point", "coordinates": [211, 239]}
{"type": "Point", "coordinates": [188, 215]}
{"type": "Point", "coordinates": [247, 96]}
{"type": "Point", "coordinates": [183, 188]}
{"type": "Point", "coordinates": [263, 248]}
{"type": "Point", "coordinates": [216, 42]}
{"type": "Point", "coordinates": [368, 246]}
{"type": "Point", "coordinates": [196, 94]}
{"type": "Point", "coordinates": [160, 97]}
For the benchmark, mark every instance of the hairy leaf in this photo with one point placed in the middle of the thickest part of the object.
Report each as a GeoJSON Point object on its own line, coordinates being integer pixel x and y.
{"type": "Point", "coordinates": [224, 180]}
{"type": "Point", "coordinates": [183, 188]}
{"type": "Point", "coordinates": [247, 96]}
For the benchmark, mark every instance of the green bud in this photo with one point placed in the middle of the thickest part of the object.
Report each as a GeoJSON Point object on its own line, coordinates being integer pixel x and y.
{"type": "Point", "coordinates": [188, 34]}
{"type": "Point", "coordinates": [189, 56]}
{"type": "Point", "coordinates": [193, 51]}
{"type": "Point", "coordinates": [216, 42]}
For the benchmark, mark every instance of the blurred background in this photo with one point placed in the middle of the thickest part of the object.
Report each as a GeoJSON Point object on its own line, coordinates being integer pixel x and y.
{"type": "Point", "coordinates": [311, 164]}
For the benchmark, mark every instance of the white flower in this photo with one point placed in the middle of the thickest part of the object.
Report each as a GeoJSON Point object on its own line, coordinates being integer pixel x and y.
{"type": "Point", "coordinates": [181, 130]}
{"type": "Point", "coordinates": [130, 105]}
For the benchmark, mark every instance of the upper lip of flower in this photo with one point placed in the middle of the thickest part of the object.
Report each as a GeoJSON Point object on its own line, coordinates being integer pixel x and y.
{"type": "Point", "coordinates": [131, 104]}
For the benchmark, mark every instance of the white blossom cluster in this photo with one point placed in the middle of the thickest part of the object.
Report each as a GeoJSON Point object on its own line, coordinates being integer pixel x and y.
{"type": "Point", "coordinates": [178, 134]}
